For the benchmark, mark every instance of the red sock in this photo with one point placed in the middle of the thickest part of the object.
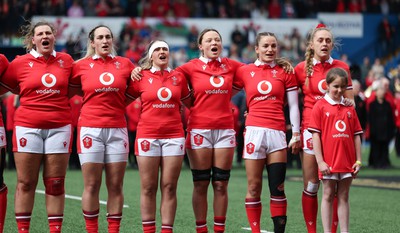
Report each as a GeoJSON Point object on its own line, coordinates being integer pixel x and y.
{"type": "Point", "coordinates": [219, 224]}
{"type": "Point", "coordinates": [3, 206]}
{"type": "Point", "coordinates": [114, 222]}
{"type": "Point", "coordinates": [201, 226]}
{"type": "Point", "coordinates": [335, 217]}
{"type": "Point", "coordinates": [165, 228]}
{"type": "Point", "coordinates": [23, 222]}
{"type": "Point", "coordinates": [253, 210]}
{"type": "Point", "coordinates": [310, 210]}
{"type": "Point", "coordinates": [149, 226]}
{"type": "Point", "coordinates": [278, 206]}
{"type": "Point", "coordinates": [91, 221]}
{"type": "Point", "coordinates": [55, 223]}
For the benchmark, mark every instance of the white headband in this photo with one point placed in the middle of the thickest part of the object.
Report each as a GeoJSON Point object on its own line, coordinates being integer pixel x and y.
{"type": "Point", "coordinates": [157, 44]}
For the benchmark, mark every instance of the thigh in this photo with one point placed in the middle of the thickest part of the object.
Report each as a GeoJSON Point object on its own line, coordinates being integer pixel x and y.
{"type": "Point", "coordinates": [170, 169]}
{"type": "Point", "coordinates": [343, 187]}
{"type": "Point", "coordinates": [200, 159]}
{"type": "Point", "coordinates": [254, 170]}
{"type": "Point", "coordinates": [115, 172]}
{"type": "Point", "coordinates": [55, 165]}
{"type": "Point", "coordinates": [223, 158]}
{"type": "Point", "coordinates": [310, 168]}
{"type": "Point", "coordinates": [329, 187]}
{"type": "Point", "coordinates": [27, 165]}
{"type": "Point", "coordinates": [92, 173]}
{"type": "Point", "coordinates": [148, 169]}
{"type": "Point", "coordinates": [279, 156]}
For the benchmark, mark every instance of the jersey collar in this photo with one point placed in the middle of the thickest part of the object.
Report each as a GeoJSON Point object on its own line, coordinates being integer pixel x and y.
{"type": "Point", "coordinates": [154, 69]}
{"type": "Point", "coordinates": [206, 60]}
{"type": "Point", "coordinates": [35, 54]}
{"type": "Point", "coordinates": [94, 57]}
{"type": "Point", "coordinates": [315, 61]}
{"type": "Point", "coordinates": [260, 63]}
{"type": "Point", "coordinates": [331, 101]}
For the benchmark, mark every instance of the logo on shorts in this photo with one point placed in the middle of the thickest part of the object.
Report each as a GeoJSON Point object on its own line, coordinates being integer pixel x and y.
{"type": "Point", "coordinates": [125, 144]}
{"type": "Point", "coordinates": [198, 139]}
{"type": "Point", "coordinates": [2, 138]}
{"type": "Point", "coordinates": [340, 126]}
{"type": "Point", "coordinates": [217, 81]}
{"type": "Point", "coordinates": [22, 142]}
{"type": "Point", "coordinates": [322, 87]}
{"type": "Point", "coordinates": [87, 142]}
{"type": "Point", "coordinates": [264, 87]}
{"type": "Point", "coordinates": [65, 144]}
{"type": "Point", "coordinates": [164, 94]}
{"type": "Point", "coordinates": [250, 148]}
{"type": "Point", "coordinates": [309, 144]}
{"type": "Point", "coordinates": [106, 78]}
{"type": "Point", "coordinates": [145, 145]}
{"type": "Point", "coordinates": [181, 147]}
{"type": "Point", "coordinates": [49, 80]}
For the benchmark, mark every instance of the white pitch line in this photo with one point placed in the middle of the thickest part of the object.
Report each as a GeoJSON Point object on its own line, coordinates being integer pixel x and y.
{"type": "Point", "coordinates": [77, 198]}
{"type": "Point", "coordinates": [262, 231]}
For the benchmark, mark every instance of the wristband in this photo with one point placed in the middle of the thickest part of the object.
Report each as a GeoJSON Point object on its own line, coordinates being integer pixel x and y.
{"type": "Point", "coordinates": [358, 162]}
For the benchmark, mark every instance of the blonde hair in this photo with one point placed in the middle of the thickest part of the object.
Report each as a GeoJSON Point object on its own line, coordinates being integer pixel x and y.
{"type": "Point", "coordinates": [145, 62]}
{"type": "Point", "coordinates": [309, 54]}
{"type": "Point", "coordinates": [281, 61]}
{"type": "Point", "coordinates": [28, 32]}
{"type": "Point", "coordinates": [89, 49]}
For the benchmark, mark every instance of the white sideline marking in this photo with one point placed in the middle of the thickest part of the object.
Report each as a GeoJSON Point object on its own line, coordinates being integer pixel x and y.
{"type": "Point", "coordinates": [77, 198]}
{"type": "Point", "coordinates": [263, 231]}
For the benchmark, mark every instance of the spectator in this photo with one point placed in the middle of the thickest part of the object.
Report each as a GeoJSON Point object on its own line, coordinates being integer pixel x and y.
{"type": "Point", "coordinates": [76, 10]}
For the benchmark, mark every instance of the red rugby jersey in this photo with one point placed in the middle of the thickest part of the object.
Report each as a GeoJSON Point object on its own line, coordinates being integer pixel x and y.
{"type": "Point", "coordinates": [3, 68]}
{"type": "Point", "coordinates": [160, 95]}
{"type": "Point", "coordinates": [265, 86]}
{"type": "Point", "coordinates": [337, 124]}
{"type": "Point", "coordinates": [211, 82]}
{"type": "Point", "coordinates": [43, 89]}
{"type": "Point", "coordinates": [103, 83]}
{"type": "Point", "coordinates": [316, 88]}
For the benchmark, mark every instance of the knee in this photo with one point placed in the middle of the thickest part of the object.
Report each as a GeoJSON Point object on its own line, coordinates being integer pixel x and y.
{"type": "Point", "coordinates": [254, 189]}
{"type": "Point", "coordinates": [220, 187]}
{"type": "Point", "coordinates": [54, 185]}
{"type": "Point", "coordinates": [26, 185]}
{"type": "Point", "coordinates": [149, 190]}
{"type": "Point", "coordinates": [169, 189]}
{"type": "Point", "coordinates": [92, 187]}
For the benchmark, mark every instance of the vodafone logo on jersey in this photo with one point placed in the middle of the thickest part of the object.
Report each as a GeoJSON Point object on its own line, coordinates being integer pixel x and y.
{"type": "Point", "coordinates": [216, 81]}
{"type": "Point", "coordinates": [264, 87]}
{"type": "Point", "coordinates": [322, 87]}
{"type": "Point", "coordinates": [164, 94]}
{"type": "Point", "coordinates": [340, 126]}
{"type": "Point", "coordinates": [49, 80]}
{"type": "Point", "coordinates": [106, 78]}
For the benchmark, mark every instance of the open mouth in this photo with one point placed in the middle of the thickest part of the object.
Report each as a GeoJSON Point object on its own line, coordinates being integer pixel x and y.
{"type": "Point", "coordinates": [215, 49]}
{"type": "Point", "coordinates": [163, 57]}
{"type": "Point", "coordinates": [45, 43]}
{"type": "Point", "coordinates": [104, 47]}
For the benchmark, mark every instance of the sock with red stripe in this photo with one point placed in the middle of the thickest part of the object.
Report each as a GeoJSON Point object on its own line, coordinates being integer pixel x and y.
{"type": "Point", "coordinates": [278, 207]}
{"type": "Point", "coordinates": [23, 222]}
{"type": "Point", "coordinates": [3, 205]}
{"type": "Point", "coordinates": [91, 221]}
{"type": "Point", "coordinates": [201, 226]}
{"type": "Point", "coordinates": [335, 217]}
{"type": "Point", "coordinates": [149, 226]}
{"type": "Point", "coordinates": [310, 210]}
{"type": "Point", "coordinates": [55, 223]}
{"type": "Point", "coordinates": [219, 224]}
{"type": "Point", "coordinates": [253, 210]}
{"type": "Point", "coordinates": [114, 222]}
{"type": "Point", "coordinates": [165, 228]}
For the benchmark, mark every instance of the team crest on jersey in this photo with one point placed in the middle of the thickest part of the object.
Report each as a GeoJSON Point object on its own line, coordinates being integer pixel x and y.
{"type": "Point", "coordinates": [252, 73]}
{"type": "Point", "coordinates": [49, 80]}
{"type": "Point", "coordinates": [91, 65]}
{"type": "Point", "coordinates": [87, 142]}
{"type": "Point", "coordinates": [30, 64]}
{"type": "Point", "coordinates": [274, 72]}
{"type": "Point", "coordinates": [198, 139]}
{"type": "Point", "coordinates": [61, 63]}
{"type": "Point", "coordinates": [223, 66]}
{"type": "Point", "coordinates": [22, 142]}
{"type": "Point", "coordinates": [174, 81]}
{"type": "Point", "coordinates": [217, 81]}
{"type": "Point", "coordinates": [309, 144]}
{"type": "Point", "coordinates": [117, 64]}
{"type": "Point", "coordinates": [250, 148]}
{"type": "Point", "coordinates": [349, 115]}
{"type": "Point", "coordinates": [145, 145]}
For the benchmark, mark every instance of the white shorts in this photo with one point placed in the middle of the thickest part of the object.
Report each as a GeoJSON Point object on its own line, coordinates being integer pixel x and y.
{"type": "Point", "coordinates": [337, 176]}
{"type": "Point", "coordinates": [211, 138]}
{"type": "Point", "coordinates": [160, 147]}
{"type": "Point", "coordinates": [42, 141]}
{"type": "Point", "coordinates": [3, 141]}
{"type": "Point", "coordinates": [259, 142]}
{"type": "Point", "coordinates": [103, 145]}
{"type": "Point", "coordinates": [307, 143]}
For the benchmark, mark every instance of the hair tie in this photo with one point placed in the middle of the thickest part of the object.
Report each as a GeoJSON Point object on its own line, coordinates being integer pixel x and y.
{"type": "Point", "coordinates": [321, 25]}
